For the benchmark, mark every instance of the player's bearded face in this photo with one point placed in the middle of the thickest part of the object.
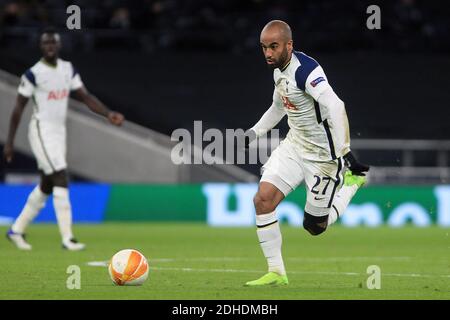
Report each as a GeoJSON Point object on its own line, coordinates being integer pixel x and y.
{"type": "Point", "coordinates": [282, 59]}
{"type": "Point", "coordinates": [276, 56]}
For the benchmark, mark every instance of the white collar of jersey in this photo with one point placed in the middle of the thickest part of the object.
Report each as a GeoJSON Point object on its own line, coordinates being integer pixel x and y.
{"type": "Point", "coordinates": [286, 65]}
{"type": "Point", "coordinates": [50, 65]}
{"type": "Point", "coordinates": [289, 63]}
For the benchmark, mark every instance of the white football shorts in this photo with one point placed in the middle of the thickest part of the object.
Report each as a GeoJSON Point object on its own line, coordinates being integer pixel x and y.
{"type": "Point", "coordinates": [48, 145]}
{"type": "Point", "coordinates": [286, 169]}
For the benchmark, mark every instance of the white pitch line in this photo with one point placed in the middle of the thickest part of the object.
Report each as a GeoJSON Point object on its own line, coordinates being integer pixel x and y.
{"type": "Point", "coordinates": [105, 263]}
{"type": "Point", "coordinates": [163, 260]}
{"type": "Point", "coordinates": [302, 272]}
{"type": "Point", "coordinates": [410, 275]}
{"type": "Point", "coordinates": [98, 263]}
{"type": "Point", "coordinates": [305, 259]}
{"type": "Point", "coordinates": [337, 259]}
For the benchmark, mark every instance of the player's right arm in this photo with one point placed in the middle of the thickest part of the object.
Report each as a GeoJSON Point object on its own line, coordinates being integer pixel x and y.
{"type": "Point", "coordinates": [8, 151]}
{"type": "Point", "coordinates": [270, 118]}
{"type": "Point", "coordinates": [93, 103]}
{"type": "Point", "coordinates": [25, 91]}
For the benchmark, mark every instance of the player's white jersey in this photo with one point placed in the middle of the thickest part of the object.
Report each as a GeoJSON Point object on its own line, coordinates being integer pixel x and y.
{"type": "Point", "coordinates": [49, 87]}
{"type": "Point", "coordinates": [297, 88]}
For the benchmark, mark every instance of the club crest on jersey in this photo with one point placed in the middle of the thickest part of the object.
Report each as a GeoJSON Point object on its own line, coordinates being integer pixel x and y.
{"type": "Point", "coordinates": [58, 94]}
{"type": "Point", "coordinates": [316, 81]}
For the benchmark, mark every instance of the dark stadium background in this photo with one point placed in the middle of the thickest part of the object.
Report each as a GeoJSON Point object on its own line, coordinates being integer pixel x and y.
{"type": "Point", "coordinates": [166, 63]}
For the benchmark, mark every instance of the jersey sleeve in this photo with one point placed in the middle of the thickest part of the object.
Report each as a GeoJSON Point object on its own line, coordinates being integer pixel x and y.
{"type": "Point", "coordinates": [27, 84]}
{"type": "Point", "coordinates": [316, 83]}
{"type": "Point", "coordinates": [337, 119]}
{"type": "Point", "coordinates": [76, 82]}
{"type": "Point", "coordinates": [271, 117]}
{"type": "Point", "coordinates": [310, 76]}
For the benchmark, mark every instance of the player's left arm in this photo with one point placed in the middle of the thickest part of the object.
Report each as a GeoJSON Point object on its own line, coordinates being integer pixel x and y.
{"type": "Point", "coordinates": [318, 87]}
{"type": "Point", "coordinates": [331, 107]}
{"type": "Point", "coordinates": [91, 101]}
{"type": "Point", "coordinates": [98, 107]}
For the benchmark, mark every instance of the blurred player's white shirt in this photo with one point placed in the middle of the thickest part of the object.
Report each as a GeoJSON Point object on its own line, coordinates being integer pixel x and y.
{"type": "Point", "coordinates": [315, 129]}
{"type": "Point", "coordinates": [49, 88]}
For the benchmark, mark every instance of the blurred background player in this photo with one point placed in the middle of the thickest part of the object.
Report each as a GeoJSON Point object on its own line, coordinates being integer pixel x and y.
{"type": "Point", "coordinates": [49, 83]}
{"type": "Point", "coordinates": [315, 149]}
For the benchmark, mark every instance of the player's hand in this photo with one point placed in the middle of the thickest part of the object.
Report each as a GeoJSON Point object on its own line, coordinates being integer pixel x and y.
{"type": "Point", "coordinates": [355, 166]}
{"type": "Point", "coordinates": [115, 118]}
{"type": "Point", "coordinates": [8, 153]}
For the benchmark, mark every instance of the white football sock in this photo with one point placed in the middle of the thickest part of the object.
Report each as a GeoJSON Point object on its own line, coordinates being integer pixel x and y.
{"type": "Point", "coordinates": [341, 202]}
{"type": "Point", "coordinates": [36, 201]}
{"type": "Point", "coordinates": [63, 211]}
{"type": "Point", "coordinates": [269, 235]}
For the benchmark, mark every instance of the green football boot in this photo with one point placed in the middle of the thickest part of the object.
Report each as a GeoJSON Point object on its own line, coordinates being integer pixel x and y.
{"type": "Point", "coordinates": [269, 279]}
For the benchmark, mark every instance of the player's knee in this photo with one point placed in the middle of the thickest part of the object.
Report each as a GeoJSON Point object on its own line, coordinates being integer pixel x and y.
{"type": "Point", "coordinates": [60, 179]}
{"type": "Point", "coordinates": [46, 186]}
{"type": "Point", "coordinates": [264, 203]}
{"type": "Point", "coordinates": [315, 225]}
{"type": "Point", "coordinates": [46, 183]}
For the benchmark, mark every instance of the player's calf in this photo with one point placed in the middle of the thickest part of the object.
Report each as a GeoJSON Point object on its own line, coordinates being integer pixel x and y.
{"type": "Point", "coordinates": [315, 225]}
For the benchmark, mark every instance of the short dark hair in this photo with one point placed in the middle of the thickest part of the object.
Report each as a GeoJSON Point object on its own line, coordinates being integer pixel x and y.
{"type": "Point", "coordinates": [49, 30]}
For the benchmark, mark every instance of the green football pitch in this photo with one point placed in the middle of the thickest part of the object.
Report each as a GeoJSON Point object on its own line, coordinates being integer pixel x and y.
{"type": "Point", "coordinates": [194, 261]}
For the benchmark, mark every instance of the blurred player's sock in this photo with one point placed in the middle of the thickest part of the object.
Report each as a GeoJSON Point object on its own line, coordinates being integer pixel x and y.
{"type": "Point", "coordinates": [351, 184]}
{"type": "Point", "coordinates": [269, 235]}
{"type": "Point", "coordinates": [63, 212]}
{"type": "Point", "coordinates": [36, 201]}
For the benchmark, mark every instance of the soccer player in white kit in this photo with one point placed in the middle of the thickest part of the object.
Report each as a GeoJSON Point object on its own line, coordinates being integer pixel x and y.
{"type": "Point", "coordinates": [316, 149]}
{"type": "Point", "coordinates": [48, 83]}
